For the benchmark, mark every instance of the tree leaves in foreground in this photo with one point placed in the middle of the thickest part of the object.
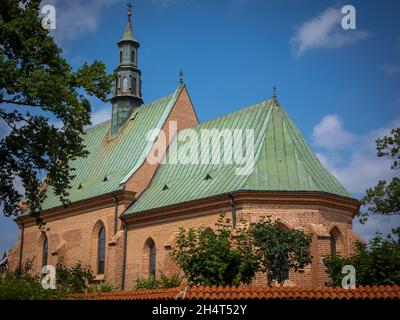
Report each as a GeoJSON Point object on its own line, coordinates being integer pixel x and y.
{"type": "Point", "coordinates": [221, 257]}
{"type": "Point", "coordinates": [36, 82]}
{"type": "Point", "coordinates": [377, 263]}
{"type": "Point", "coordinates": [384, 198]}
{"type": "Point", "coordinates": [231, 256]}
{"type": "Point", "coordinates": [280, 249]}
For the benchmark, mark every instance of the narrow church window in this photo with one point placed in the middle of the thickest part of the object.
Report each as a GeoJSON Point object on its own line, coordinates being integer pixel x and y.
{"type": "Point", "coordinates": [152, 259]}
{"type": "Point", "coordinates": [101, 251]}
{"type": "Point", "coordinates": [333, 244]}
{"type": "Point", "coordinates": [125, 84]}
{"type": "Point", "coordinates": [120, 56]}
{"type": "Point", "coordinates": [133, 85]}
{"type": "Point", "coordinates": [335, 235]}
{"type": "Point", "coordinates": [45, 252]}
{"type": "Point", "coordinates": [133, 56]}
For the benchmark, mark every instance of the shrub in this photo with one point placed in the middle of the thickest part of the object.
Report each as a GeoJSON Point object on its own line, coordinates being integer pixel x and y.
{"type": "Point", "coordinates": [147, 283]}
{"type": "Point", "coordinates": [75, 279]}
{"type": "Point", "coordinates": [225, 257]}
{"type": "Point", "coordinates": [170, 281]}
{"type": "Point", "coordinates": [377, 263]}
{"type": "Point", "coordinates": [22, 285]}
{"type": "Point", "coordinates": [280, 249]}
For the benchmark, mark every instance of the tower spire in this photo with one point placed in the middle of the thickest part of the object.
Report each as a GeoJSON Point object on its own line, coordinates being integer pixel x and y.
{"type": "Point", "coordinates": [127, 93]}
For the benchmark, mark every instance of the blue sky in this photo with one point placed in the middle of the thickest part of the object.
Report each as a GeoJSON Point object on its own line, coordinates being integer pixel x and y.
{"type": "Point", "coordinates": [341, 87]}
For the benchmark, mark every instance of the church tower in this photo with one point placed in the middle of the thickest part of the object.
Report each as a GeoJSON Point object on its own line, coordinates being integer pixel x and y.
{"type": "Point", "coordinates": [127, 93]}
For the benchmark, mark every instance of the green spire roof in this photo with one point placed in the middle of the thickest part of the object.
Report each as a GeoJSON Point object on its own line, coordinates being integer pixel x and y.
{"type": "Point", "coordinates": [113, 160]}
{"type": "Point", "coordinates": [128, 34]}
{"type": "Point", "coordinates": [283, 162]}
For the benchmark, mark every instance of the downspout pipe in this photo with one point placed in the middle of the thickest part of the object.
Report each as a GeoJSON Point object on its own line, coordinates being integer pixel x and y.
{"type": "Point", "coordinates": [232, 203]}
{"type": "Point", "coordinates": [21, 248]}
{"type": "Point", "coordinates": [115, 213]}
{"type": "Point", "coordinates": [124, 256]}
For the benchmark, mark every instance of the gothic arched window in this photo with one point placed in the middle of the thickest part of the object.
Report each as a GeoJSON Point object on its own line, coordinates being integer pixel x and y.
{"type": "Point", "coordinates": [335, 239]}
{"type": "Point", "coordinates": [133, 85]}
{"type": "Point", "coordinates": [101, 250]}
{"type": "Point", "coordinates": [152, 260]}
{"type": "Point", "coordinates": [120, 56]}
{"type": "Point", "coordinates": [124, 84]}
{"type": "Point", "coordinates": [133, 56]}
{"type": "Point", "coordinates": [45, 252]}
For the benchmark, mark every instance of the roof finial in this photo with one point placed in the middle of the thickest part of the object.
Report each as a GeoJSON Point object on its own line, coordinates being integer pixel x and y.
{"type": "Point", "coordinates": [181, 77]}
{"type": "Point", "coordinates": [129, 9]}
{"type": "Point", "coordinates": [274, 92]}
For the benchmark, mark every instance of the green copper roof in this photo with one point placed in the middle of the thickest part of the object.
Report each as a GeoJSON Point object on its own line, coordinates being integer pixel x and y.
{"type": "Point", "coordinates": [113, 160]}
{"type": "Point", "coordinates": [283, 162]}
{"type": "Point", "coordinates": [128, 34]}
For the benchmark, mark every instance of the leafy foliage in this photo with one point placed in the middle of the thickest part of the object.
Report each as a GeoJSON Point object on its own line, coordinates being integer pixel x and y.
{"type": "Point", "coordinates": [223, 257]}
{"type": "Point", "coordinates": [172, 281]}
{"type": "Point", "coordinates": [155, 283]}
{"type": "Point", "coordinates": [21, 284]}
{"type": "Point", "coordinates": [147, 283]}
{"type": "Point", "coordinates": [280, 249]}
{"type": "Point", "coordinates": [75, 279]}
{"type": "Point", "coordinates": [25, 285]}
{"type": "Point", "coordinates": [377, 263]}
{"type": "Point", "coordinates": [384, 198]}
{"type": "Point", "coordinates": [35, 78]}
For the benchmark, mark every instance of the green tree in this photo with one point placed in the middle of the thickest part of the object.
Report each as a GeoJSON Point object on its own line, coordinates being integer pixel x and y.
{"type": "Point", "coordinates": [377, 263]}
{"type": "Point", "coordinates": [36, 82]}
{"type": "Point", "coordinates": [280, 249]}
{"type": "Point", "coordinates": [223, 257]}
{"type": "Point", "coordinates": [384, 198]}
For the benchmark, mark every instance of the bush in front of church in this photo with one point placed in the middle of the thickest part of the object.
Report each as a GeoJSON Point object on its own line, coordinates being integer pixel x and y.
{"type": "Point", "coordinates": [225, 256]}
{"type": "Point", "coordinates": [233, 255]}
{"type": "Point", "coordinates": [375, 263]}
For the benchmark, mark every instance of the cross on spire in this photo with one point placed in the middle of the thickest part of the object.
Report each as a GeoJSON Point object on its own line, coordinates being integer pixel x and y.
{"type": "Point", "coordinates": [129, 5]}
{"type": "Point", "coordinates": [181, 77]}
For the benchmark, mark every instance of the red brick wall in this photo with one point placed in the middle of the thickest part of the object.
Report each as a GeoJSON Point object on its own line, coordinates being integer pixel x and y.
{"type": "Point", "coordinates": [299, 217]}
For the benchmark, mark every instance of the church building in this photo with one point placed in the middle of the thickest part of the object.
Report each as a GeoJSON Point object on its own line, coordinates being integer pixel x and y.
{"type": "Point", "coordinates": [125, 211]}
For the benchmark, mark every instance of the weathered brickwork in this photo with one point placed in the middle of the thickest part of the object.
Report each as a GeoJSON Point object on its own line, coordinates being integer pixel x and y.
{"type": "Point", "coordinates": [291, 216]}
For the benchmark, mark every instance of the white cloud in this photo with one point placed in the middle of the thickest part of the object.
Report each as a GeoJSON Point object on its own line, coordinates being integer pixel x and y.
{"type": "Point", "coordinates": [101, 115]}
{"type": "Point", "coordinates": [75, 18]}
{"type": "Point", "coordinates": [329, 133]}
{"type": "Point", "coordinates": [324, 31]}
{"type": "Point", "coordinates": [391, 69]}
{"type": "Point", "coordinates": [351, 157]}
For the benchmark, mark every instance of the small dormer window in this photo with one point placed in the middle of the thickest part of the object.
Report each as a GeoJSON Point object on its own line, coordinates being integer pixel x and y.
{"type": "Point", "coordinates": [208, 177]}
{"type": "Point", "coordinates": [165, 187]}
{"type": "Point", "coordinates": [105, 179]}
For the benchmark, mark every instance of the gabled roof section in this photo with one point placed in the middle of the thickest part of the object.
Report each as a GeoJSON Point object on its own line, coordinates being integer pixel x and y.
{"type": "Point", "coordinates": [112, 160]}
{"type": "Point", "coordinates": [283, 161]}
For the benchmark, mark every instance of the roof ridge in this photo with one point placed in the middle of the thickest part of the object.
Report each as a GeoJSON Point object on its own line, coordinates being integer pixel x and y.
{"type": "Point", "coordinates": [146, 105]}
{"type": "Point", "coordinates": [259, 104]}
